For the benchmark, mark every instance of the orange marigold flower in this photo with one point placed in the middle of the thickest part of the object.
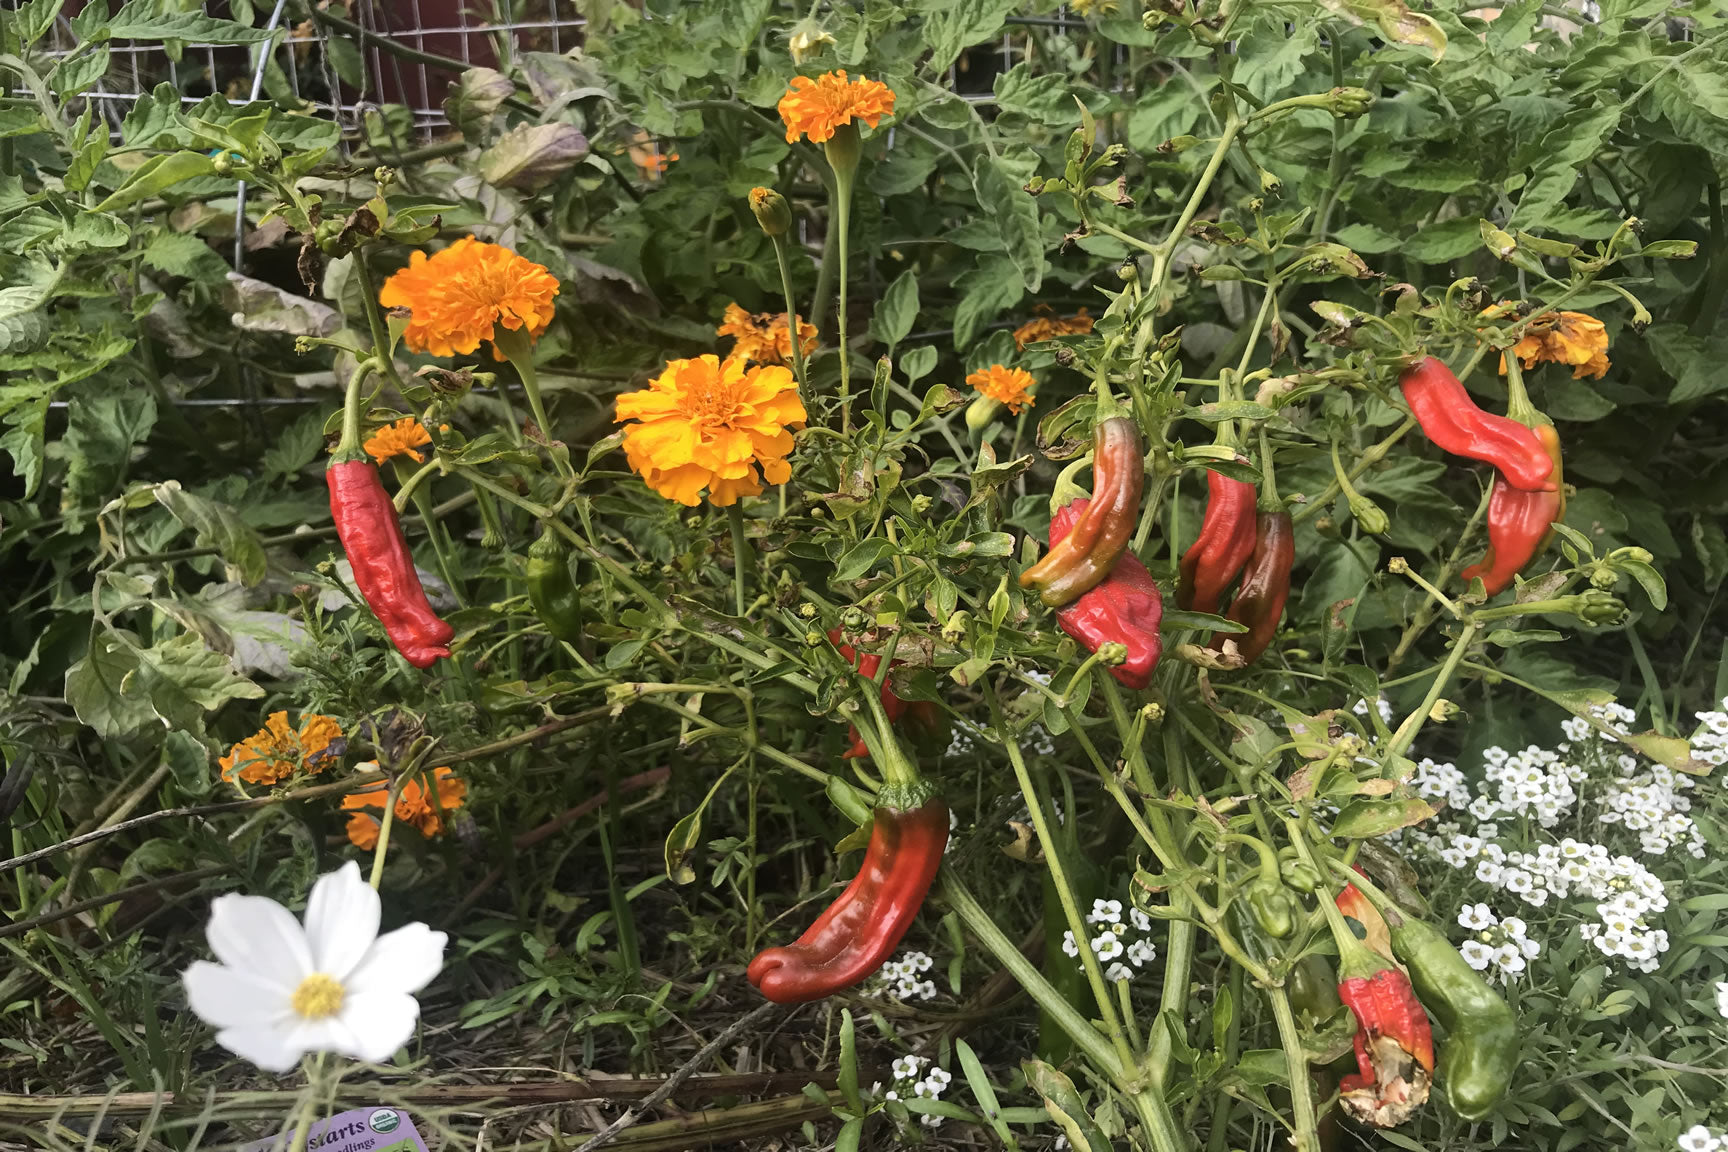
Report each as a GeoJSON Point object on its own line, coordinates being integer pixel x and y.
{"type": "Point", "coordinates": [398, 439]}
{"type": "Point", "coordinates": [1007, 386]}
{"type": "Point", "coordinates": [278, 750]}
{"type": "Point", "coordinates": [1047, 327]}
{"type": "Point", "coordinates": [765, 337]}
{"type": "Point", "coordinates": [459, 296]}
{"type": "Point", "coordinates": [708, 423]}
{"type": "Point", "coordinates": [414, 805]}
{"type": "Point", "coordinates": [649, 160]}
{"type": "Point", "coordinates": [1571, 338]}
{"type": "Point", "coordinates": [815, 108]}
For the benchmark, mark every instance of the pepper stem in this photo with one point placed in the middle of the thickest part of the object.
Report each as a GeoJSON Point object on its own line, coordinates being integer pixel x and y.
{"type": "Point", "coordinates": [349, 447]}
{"type": "Point", "coordinates": [1354, 957]}
{"type": "Point", "coordinates": [1518, 405]}
{"type": "Point", "coordinates": [1269, 501]}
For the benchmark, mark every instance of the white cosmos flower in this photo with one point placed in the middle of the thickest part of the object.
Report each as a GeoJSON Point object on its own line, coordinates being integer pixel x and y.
{"type": "Point", "coordinates": [281, 989]}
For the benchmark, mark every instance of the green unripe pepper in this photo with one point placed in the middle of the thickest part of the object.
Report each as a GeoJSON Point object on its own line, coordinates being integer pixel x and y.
{"type": "Point", "coordinates": [1275, 907]}
{"type": "Point", "coordinates": [552, 589]}
{"type": "Point", "coordinates": [1481, 1049]}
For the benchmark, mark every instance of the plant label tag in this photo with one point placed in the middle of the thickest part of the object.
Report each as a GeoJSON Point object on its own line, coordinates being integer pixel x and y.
{"type": "Point", "coordinates": [358, 1130]}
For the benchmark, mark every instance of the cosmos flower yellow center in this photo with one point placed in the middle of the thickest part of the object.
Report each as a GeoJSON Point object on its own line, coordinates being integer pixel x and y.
{"type": "Point", "coordinates": [318, 996]}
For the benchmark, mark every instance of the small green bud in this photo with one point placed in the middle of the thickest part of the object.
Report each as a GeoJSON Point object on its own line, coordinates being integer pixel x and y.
{"type": "Point", "coordinates": [771, 211]}
{"type": "Point", "coordinates": [1369, 516]}
{"type": "Point", "coordinates": [1348, 102]}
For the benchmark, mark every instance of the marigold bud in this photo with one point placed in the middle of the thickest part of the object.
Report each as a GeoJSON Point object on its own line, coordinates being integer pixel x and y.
{"type": "Point", "coordinates": [771, 211]}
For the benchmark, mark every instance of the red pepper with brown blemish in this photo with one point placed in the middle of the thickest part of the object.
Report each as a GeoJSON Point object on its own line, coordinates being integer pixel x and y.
{"type": "Point", "coordinates": [1098, 537]}
{"type": "Point", "coordinates": [1259, 602]}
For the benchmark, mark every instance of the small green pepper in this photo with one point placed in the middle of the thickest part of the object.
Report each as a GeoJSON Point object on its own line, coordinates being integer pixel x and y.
{"type": "Point", "coordinates": [1275, 907]}
{"type": "Point", "coordinates": [552, 589]}
{"type": "Point", "coordinates": [1481, 1049]}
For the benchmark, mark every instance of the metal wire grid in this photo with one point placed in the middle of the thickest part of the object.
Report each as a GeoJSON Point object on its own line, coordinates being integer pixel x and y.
{"type": "Point", "coordinates": [446, 36]}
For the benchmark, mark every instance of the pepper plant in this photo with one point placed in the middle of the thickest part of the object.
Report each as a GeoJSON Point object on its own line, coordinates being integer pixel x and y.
{"type": "Point", "coordinates": [1174, 433]}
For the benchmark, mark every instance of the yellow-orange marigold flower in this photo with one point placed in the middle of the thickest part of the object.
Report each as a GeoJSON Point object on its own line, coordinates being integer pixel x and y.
{"type": "Point", "coordinates": [398, 439]}
{"type": "Point", "coordinates": [645, 153]}
{"type": "Point", "coordinates": [1008, 386]}
{"type": "Point", "coordinates": [765, 337]}
{"type": "Point", "coordinates": [815, 108]}
{"type": "Point", "coordinates": [1572, 338]}
{"type": "Point", "coordinates": [414, 805]}
{"type": "Point", "coordinates": [461, 295]}
{"type": "Point", "coordinates": [1048, 327]}
{"type": "Point", "coordinates": [278, 750]}
{"type": "Point", "coordinates": [708, 423]}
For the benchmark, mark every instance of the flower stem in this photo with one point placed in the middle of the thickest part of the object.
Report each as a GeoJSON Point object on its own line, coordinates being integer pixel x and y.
{"type": "Point", "coordinates": [383, 846]}
{"type": "Point", "coordinates": [516, 348]}
{"type": "Point", "coordinates": [791, 313]}
{"type": "Point", "coordinates": [842, 152]}
{"type": "Point", "coordinates": [740, 555]}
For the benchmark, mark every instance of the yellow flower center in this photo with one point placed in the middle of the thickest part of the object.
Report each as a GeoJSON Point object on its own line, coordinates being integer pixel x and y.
{"type": "Point", "coordinates": [318, 996]}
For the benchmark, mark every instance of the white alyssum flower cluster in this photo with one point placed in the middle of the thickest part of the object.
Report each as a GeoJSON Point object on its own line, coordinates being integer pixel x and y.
{"type": "Point", "coordinates": [1701, 1139]}
{"type": "Point", "coordinates": [903, 978]}
{"type": "Point", "coordinates": [1116, 941]}
{"type": "Point", "coordinates": [1381, 705]}
{"type": "Point", "coordinates": [1654, 805]}
{"type": "Point", "coordinates": [1710, 742]}
{"type": "Point", "coordinates": [1503, 945]}
{"type": "Point", "coordinates": [911, 1082]}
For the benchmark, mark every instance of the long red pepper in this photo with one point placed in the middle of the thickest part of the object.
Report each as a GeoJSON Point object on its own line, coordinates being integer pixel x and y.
{"type": "Point", "coordinates": [1078, 562]}
{"type": "Point", "coordinates": [384, 569]}
{"type": "Point", "coordinates": [1226, 540]}
{"type": "Point", "coordinates": [1520, 523]}
{"type": "Point", "coordinates": [1259, 602]}
{"type": "Point", "coordinates": [1455, 422]}
{"type": "Point", "coordinates": [1124, 608]}
{"type": "Point", "coordinates": [853, 938]}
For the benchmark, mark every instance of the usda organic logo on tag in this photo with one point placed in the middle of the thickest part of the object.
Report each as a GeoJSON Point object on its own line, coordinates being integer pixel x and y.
{"type": "Point", "coordinates": [384, 1120]}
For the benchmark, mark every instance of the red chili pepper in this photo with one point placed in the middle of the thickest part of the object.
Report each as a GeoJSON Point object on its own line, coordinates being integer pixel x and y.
{"type": "Point", "coordinates": [1265, 586]}
{"type": "Point", "coordinates": [1394, 1049]}
{"type": "Point", "coordinates": [867, 664]}
{"type": "Point", "coordinates": [1125, 608]}
{"type": "Point", "coordinates": [1376, 934]}
{"type": "Point", "coordinates": [1081, 560]}
{"type": "Point", "coordinates": [1226, 540]}
{"type": "Point", "coordinates": [383, 568]}
{"type": "Point", "coordinates": [1452, 420]}
{"type": "Point", "coordinates": [853, 938]}
{"type": "Point", "coordinates": [1520, 523]}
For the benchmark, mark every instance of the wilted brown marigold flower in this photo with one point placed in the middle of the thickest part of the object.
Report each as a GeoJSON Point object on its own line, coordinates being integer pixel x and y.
{"type": "Point", "coordinates": [414, 805]}
{"type": "Point", "coordinates": [278, 750]}
{"type": "Point", "coordinates": [1047, 327]}
{"type": "Point", "coordinates": [1571, 338]}
{"type": "Point", "coordinates": [765, 336]}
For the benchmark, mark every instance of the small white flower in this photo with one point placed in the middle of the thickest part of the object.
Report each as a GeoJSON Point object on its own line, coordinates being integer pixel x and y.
{"type": "Point", "coordinates": [906, 1067]}
{"type": "Point", "coordinates": [1530, 948]}
{"type": "Point", "coordinates": [1722, 998]}
{"type": "Point", "coordinates": [1488, 872]}
{"type": "Point", "coordinates": [1515, 927]}
{"type": "Point", "coordinates": [1141, 921]}
{"type": "Point", "coordinates": [1069, 946]}
{"type": "Point", "coordinates": [281, 988]}
{"type": "Point", "coordinates": [1105, 912]}
{"type": "Point", "coordinates": [1476, 954]}
{"type": "Point", "coordinates": [1108, 946]}
{"type": "Point", "coordinates": [1699, 1139]}
{"type": "Point", "coordinates": [1117, 972]}
{"type": "Point", "coordinates": [1517, 880]}
{"type": "Point", "coordinates": [930, 1121]}
{"type": "Point", "coordinates": [1474, 916]}
{"type": "Point", "coordinates": [1144, 952]}
{"type": "Point", "coordinates": [938, 1079]}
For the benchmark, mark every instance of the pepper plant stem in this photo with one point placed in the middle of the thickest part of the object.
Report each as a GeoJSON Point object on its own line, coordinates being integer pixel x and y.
{"type": "Point", "coordinates": [1303, 1137]}
{"type": "Point", "coordinates": [1407, 731]}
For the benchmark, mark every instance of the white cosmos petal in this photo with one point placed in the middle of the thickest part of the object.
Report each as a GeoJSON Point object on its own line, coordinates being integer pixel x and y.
{"type": "Point", "coordinates": [379, 1024]}
{"type": "Point", "coordinates": [405, 960]}
{"type": "Point", "coordinates": [228, 998]}
{"type": "Point", "coordinates": [271, 1049]}
{"type": "Point", "coordinates": [341, 921]}
{"type": "Point", "coordinates": [257, 935]}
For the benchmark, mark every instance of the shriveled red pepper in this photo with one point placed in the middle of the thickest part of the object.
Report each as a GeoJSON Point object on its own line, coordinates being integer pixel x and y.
{"type": "Point", "coordinates": [1454, 421]}
{"type": "Point", "coordinates": [1081, 559]}
{"type": "Point", "coordinates": [384, 570]}
{"type": "Point", "coordinates": [1124, 608]}
{"type": "Point", "coordinates": [859, 931]}
{"type": "Point", "coordinates": [1375, 932]}
{"type": "Point", "coordinates": [1226, 540]}
{"type": "Point", "coordinates": [1259, 602]}
{"type": "Point", "coordinates": [1520, 523]}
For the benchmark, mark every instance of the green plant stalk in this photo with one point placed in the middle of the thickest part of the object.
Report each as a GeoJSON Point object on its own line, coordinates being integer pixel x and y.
{"type": "Point", "coordinates": [1407, 731]}
{"type": "Point", "coordinates": [1178, 947]}
{"type": "Point", "coordinates": [515, 345]}
{"type": "Point", "coordinates": [381, 344]}
{"type": "Point", "coordinates": [1424, 615]}
{"type": "Point", "coordinates": [384, 824]}
{"type": "Point", "coordinates": [798, 369]}
{"type": "Point", "coordinates": [1064, 892]}
{"type": "Point", "coordinates": [1370, 457]}
{"type": "Point", "coordinates": [740, 555]}
{"type": "Point", "coordinates": [1304, 1137]}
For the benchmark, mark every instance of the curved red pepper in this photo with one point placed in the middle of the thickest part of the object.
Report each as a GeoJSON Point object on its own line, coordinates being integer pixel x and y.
{"type": "Point", "coordinates": [1124, 608]}
{"type": "Point", "coordinates": [1081, 560]}
{"type": "Point", "coordinates": [1452, 420]}
{"type": "Point", "coordinates": [1265, 586]}
{"type": "Point", "coordinates": [1520, 523]}
{"type": "Point", "coordinates": [1226, 540]}
{"type": "Point", "coordinates": [383, 568]}
{"type": "Point", "coordinates": [853, 938]}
